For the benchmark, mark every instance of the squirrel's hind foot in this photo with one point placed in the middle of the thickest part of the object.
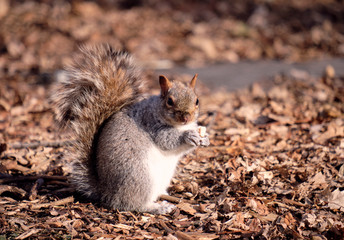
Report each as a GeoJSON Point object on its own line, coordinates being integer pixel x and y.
{"type": "Point", "coordinates": [160, 208]}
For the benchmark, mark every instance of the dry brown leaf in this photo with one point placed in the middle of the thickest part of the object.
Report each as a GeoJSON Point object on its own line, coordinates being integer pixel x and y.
{"type": "Point", "coordinates": [318, 181]}
{"type": "Point", "coordinates": [336, 200]}
{"type": "Point", "coordinates": [334, 129]}
{"type": "Point", "coordinates": [12, 189]}
{"type": "Point", "coordinates": [186, 207]}
{"type": "Point", "coordinates": [258, 206]}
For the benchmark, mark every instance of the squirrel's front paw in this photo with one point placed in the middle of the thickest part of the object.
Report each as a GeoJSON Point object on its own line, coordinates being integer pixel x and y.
{"type": "Point", "coordinates": [205, 141]}
{"type": "Point", "coordinates": [193, 138]}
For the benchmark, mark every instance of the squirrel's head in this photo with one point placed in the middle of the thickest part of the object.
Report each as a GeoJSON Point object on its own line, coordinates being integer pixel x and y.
{"type": "Point", "coordinates": [179, 101]}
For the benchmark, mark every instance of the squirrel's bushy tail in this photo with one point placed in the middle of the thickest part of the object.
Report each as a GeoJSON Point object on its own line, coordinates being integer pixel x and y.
{"type": "Point", "coordinates": [99, 83]}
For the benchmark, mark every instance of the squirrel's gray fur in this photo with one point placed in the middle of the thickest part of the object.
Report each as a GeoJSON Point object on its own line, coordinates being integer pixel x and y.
{"type": "Point", "coordinates": [122, 138]}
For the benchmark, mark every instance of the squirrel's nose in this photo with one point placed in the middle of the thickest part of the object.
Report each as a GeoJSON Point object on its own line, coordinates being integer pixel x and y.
{"type": "Point", "coordinates": [186, 117]}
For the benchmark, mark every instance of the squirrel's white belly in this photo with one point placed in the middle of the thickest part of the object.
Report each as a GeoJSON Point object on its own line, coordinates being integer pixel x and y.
{"type": "Point", "coordinates": [162, 166]}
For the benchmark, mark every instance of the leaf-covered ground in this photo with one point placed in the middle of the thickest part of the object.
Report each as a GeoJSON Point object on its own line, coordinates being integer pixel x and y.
{"type": "Point", "coordinates": [274, 169]}
{"type": "Point", "coordinates": [275, 166]}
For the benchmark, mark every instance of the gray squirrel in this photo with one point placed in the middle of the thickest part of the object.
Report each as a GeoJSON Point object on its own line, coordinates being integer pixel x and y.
{"type": "Point", "coordinates": [127, 145]}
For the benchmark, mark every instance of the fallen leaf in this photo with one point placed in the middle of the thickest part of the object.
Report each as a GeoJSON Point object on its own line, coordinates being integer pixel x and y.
{"type": "Point", "coordinates": [186, 207]}
{"type": "Point", "coordinates": [336, 200]}
{"type": "Point", "coordinates": [318, 181]}
{"type": "Point", "coordinates": [12, 189]}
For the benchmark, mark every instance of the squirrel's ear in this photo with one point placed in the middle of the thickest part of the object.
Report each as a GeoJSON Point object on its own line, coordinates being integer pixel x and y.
{"type": "Point", "coordinates": [193, 81]}
{"type": "Point", "coordinates": [165, 85]}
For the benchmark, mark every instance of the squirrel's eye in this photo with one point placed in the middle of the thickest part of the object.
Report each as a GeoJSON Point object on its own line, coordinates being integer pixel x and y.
{"type": "Point", "coordinates": [170, 102]}
{"type": "Point", "coordinates": [197, 102]}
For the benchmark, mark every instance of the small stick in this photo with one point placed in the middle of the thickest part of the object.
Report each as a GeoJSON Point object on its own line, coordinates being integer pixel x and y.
{"type": "Point", "coordinates": [64, 190]}
{"type": "Point", "coordinates": [56, 144]}
{"type": "Point", "coordinates": [56, 203]}
{"type": "Point", "coordinates": [31, 178]}
{"type": "Point", "coordinates": [33, 192]}
{"type": "Point", "coordinates": [176, 199]}
{"type": "Point", "coordinates": [28, 233]}
{"type": "Point", "coordinates": [170, 198]}
{"type": "Point", "coordinates": [63, 183]}
{"type": "Point", "coordinates": [165, 227]}
{"type": "Point", "coordinates": [292, 202]}
{"type": "Point", "coordinates": [183, 236]}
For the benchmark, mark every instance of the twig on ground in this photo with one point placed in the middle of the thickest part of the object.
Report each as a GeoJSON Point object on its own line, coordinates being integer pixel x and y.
{"type": "Point", "coordinates": [170, 198]}
{"type": "Point", "coordinates": [165, 227]}
{"type": "Point", "coordinates": [33, 192]}
{"type": "Point", "coordinates": [28, 233]}
{"type": "Point", "coordinates": [55, 144]}
{"type": "Point", "coordinates": [64, 190]}
{"type": "Point", "coordinates": [183, 236]}
{"type": "Point", "coordinates": [56, 203]}
{"type": "Point", "coordinates": [31, 178]}
{"type": "Point", "coordinates": [292, 202]}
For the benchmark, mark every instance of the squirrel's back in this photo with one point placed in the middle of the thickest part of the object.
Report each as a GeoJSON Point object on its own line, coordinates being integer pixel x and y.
{"type": "Point", "coordinates": [99, 83]}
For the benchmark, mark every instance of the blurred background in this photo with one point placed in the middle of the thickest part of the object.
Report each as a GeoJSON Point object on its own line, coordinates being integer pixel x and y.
{"type": "Point", "coordinates": [241, 36]}
{"type": "Point", "coordinates": [275, 166]}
